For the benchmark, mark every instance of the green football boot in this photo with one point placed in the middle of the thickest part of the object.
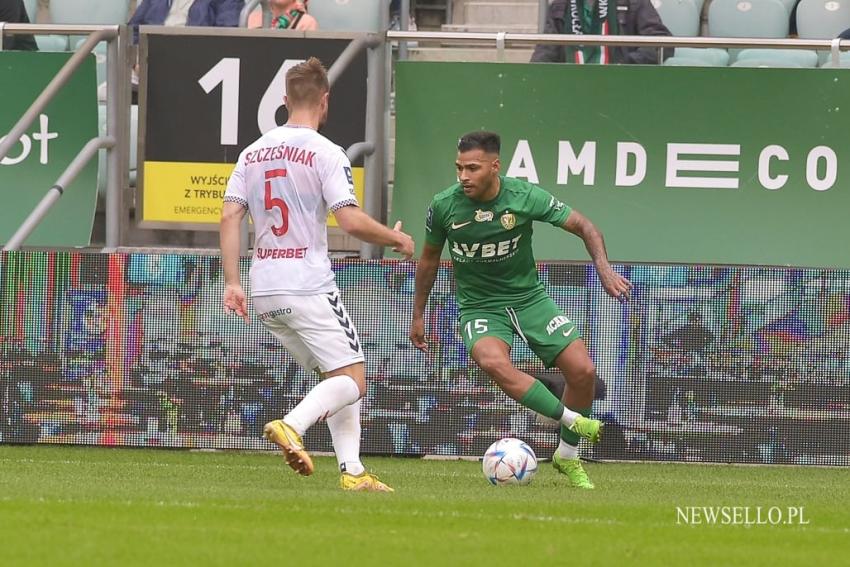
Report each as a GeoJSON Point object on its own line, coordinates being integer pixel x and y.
{"type": "Point", "coordinates": [574, 471]}
{"type": "Point", "coordinates": [586, 428]}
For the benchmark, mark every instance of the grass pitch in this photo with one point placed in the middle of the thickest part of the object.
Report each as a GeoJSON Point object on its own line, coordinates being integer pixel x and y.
{"type": "Point", "coordinates": [89, 506]}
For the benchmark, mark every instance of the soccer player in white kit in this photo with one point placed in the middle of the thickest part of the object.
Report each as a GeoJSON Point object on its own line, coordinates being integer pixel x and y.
{"type": "Point", "coordinates": [288, 181]}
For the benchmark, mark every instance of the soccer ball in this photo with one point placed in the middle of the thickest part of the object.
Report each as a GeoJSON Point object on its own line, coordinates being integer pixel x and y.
{"type": "Point", "coordinates": [509, 461]}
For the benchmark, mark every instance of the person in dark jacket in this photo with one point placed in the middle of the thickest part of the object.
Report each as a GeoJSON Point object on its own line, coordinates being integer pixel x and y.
{"type": "Point", "coordinates": [215, 13]}
{"type": "Point", "coordinates": [593, 17]}
{"type": "Point", "coordinates": [13, 12]}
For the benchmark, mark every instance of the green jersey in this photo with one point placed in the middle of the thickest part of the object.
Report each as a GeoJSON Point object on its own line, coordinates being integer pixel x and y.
{"type": "Point", "coordinates": [490, 242]}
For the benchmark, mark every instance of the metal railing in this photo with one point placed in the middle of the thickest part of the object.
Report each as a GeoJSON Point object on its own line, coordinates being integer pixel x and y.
{"type": "Point", "coordinates": [503, 40]}
{"type": "Point", "coordinates": [116, 141]}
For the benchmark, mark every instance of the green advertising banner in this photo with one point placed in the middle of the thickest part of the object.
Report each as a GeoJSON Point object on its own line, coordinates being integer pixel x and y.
{"type": "Point", "coordinates": [694, 165]}
{"type": "Point", "coordinates": [47, 147]}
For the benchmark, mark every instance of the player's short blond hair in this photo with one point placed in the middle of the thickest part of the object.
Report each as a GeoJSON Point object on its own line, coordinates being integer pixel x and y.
{"type": "Point", "coordinates": [306, 83]}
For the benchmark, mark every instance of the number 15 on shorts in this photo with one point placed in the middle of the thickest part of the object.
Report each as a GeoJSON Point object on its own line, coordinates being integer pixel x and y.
{"type": "Point", "coordinates": [476, 326]}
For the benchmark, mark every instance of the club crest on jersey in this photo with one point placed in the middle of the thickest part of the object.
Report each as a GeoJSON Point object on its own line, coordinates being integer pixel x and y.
{"type": "Point", "coordinates": [483, 216]}
{"type": "Point", "coordinates": [508, 220]}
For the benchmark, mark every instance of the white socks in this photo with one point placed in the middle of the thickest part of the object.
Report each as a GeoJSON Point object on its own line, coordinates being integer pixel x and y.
{"type": "Point", "coordinates": [567, 451]}
{"type": "Point", "coordinates": [327, 398]}
{"type": "Point", "coordinates": [569, 417]}
{"type": "Point", "coordinates": [345, 432]}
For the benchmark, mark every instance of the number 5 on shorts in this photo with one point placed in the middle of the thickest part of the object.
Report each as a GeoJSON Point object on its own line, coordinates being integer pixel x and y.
{"type": "Point", "coordinates": [477, 326]}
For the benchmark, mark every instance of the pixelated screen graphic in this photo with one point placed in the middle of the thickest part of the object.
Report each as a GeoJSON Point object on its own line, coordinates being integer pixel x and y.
{"type": "Point", "coordinates": [722, 364]}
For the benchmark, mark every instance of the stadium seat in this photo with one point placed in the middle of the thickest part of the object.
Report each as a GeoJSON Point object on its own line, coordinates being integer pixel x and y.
{"type": "Point", "coordinates": [772, 63]}
{"type": "Point", "coordinates": [677, 61]}
{"type": "Point", "coordinates": [680, 16]}
{"type": "Point", "coordinates": [794, 57]}
{"type": "Point", "coordinates": [88, 12]}
{"type": "Point", "coordinates": [711, 55]}
{"type": "Point", "coordinates": [45, 42]}
{"type": "Point", "coordinates": [52, 42]}
{"type": "Point", "coordinates": [748, 18]}
{"type": "Point", "coordinates": [844, 61]}
{"type": "Point", "coordinates": [822, 19]}
{"type": "Point", "coordinates": [349, 15]}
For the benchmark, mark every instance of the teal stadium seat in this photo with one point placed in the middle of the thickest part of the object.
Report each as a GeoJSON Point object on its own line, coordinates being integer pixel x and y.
{"type": "Point", "coordinates": [843, 61]}
{"type": "Point", "coordinates": [680, 16]}
{"type": "Point", "coordinates": [748, 18]}
{"type": "Point", "coordinates": [822, 19]}
{"type": "Point", "coordinates": [772, 63]}
{"type": "Point", "coordinates": [349, 15]}
{"type": "Point", "coordinates": [712, 56]}
{"type": "Point", "coordinates": [677, 61]}
{"type": "Point", "coordinates": [45, 42]}
{"type": "Point", "coordinates": [88, 12]}
{"type": "Point", "coordinates": [781, 57]}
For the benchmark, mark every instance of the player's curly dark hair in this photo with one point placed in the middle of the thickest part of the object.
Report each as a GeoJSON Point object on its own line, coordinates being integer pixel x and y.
{"type": "Point", "coordinates": [489, 142]}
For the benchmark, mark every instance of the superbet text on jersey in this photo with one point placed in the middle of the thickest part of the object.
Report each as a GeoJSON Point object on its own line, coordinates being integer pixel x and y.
{"type": "Point", "coordinates": [289, 180]}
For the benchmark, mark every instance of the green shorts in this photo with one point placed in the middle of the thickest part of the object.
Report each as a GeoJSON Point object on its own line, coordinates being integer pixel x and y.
{"type": "Point", "coordinates": [540, 324]}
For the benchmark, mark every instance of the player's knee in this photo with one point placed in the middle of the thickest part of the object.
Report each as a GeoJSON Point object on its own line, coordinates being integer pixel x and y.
{"type": "Point", "coordinates": [582, 375]}
{"type": "Point", "coordinates": [496, 365]}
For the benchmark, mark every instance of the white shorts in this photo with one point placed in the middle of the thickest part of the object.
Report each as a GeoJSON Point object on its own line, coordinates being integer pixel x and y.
{"type": "Point", "coordinates": [315, 329]}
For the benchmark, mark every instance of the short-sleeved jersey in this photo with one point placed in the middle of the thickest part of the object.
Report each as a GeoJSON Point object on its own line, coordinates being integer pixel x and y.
{"type": "Point", "coordinates": [289, 180]}
{"type": "Point", "coordinates": [490, 242]}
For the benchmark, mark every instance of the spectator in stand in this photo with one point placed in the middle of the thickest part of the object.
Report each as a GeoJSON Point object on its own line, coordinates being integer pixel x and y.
{"type": "Point", "coordinates": [13, 12]}
{"type": "Point", "coordinates": [214, 13]}
{"type": "Point", "coordinates": [598, 17]}
{"type": "Point", "coordinates": [286, 15]}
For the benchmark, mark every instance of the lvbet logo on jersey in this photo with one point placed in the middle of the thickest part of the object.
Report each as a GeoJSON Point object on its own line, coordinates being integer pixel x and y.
{"type": "Point", "coordinates": [496, 250]}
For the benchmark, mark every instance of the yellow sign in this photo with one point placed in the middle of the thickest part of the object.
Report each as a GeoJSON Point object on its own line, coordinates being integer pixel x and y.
{"type": "Point", "coordinates": [193, 192]}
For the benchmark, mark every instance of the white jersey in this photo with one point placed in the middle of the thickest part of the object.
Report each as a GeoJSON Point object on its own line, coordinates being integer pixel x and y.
{"type": "Point", "coordinates": [289, 180]}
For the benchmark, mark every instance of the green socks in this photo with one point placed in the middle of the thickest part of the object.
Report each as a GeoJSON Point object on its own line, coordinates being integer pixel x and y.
{"type": "Point", "coordinates": [538, 398]}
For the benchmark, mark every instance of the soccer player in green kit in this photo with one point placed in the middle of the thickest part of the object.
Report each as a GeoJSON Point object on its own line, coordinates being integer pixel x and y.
{"type": "Point", "coordinates": [487, 220]}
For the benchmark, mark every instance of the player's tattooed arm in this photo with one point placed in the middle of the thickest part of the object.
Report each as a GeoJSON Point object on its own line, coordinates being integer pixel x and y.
{"type": "Point", "coordinates": [614, 284]}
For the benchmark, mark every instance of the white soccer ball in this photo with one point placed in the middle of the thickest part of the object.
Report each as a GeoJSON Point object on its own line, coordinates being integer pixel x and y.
{"type": "Point", "coordinates": [509, 461]}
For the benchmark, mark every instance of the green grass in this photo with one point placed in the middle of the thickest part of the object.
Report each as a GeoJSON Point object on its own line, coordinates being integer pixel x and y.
{"type": "Point", "coordinates": [87, 506]}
